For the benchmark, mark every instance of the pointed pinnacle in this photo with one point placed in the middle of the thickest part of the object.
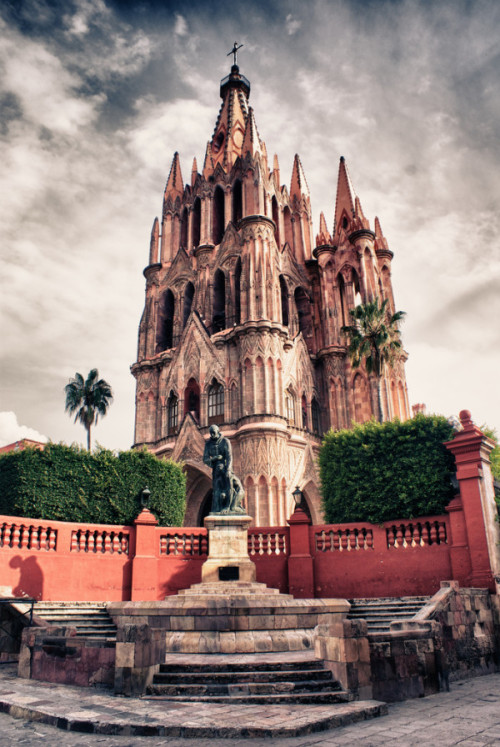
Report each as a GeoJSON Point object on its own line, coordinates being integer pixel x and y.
{"type": "Point", "coordinates": [194, 172]}
{"type": "Point", "coordinates": [298, 184]}
{"type": "Point", "coordinates": [175, 186]}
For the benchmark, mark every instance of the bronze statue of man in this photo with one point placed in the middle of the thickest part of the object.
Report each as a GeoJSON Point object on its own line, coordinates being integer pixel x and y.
{"type": "Point", "coordinates": [227, 492]}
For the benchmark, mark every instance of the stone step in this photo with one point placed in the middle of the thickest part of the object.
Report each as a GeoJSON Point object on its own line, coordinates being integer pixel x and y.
{"type": "Point", "coordinates": [238, 688]}
{"type": "Point", "coordinates": [253, 666]}
{"type": "Point", "coordinates": [226, 678]}
{"type": "Point", "coordinates": [380, 612]}
{"type": "Point", "coordinates": [90, 619]}
{"type": "Point", "coordinates": [252, 699]}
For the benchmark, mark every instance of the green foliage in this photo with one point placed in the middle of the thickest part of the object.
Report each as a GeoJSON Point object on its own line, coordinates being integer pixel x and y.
{"type": "Point", "coordinates": [381, 471]}
{"type": "Point", "coordinates": [68, 483]}
{"type": "Point", "coordinates": [495, 453]}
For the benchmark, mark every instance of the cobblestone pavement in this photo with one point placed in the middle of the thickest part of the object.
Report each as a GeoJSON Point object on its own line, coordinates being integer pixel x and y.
{"type": "Point", "coordinates": [469, 715]}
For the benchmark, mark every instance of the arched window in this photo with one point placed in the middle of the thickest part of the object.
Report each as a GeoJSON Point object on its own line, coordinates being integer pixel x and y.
{"type": "Point", "coordinates": [165, 328]}
{"type": "Point", "coordinates": [316, 416]}
{"type": "Point", "coordinates": [343, 300]}
{"type": "Point", "coordinates": [218, 215]}
{"type": "Point", "coordinates": [237, 203]}
{"type": "Point", "coordinates": [184, 229]}
{"type": "Point", "coordinates": [284, 301]}
{"type": "Point", "coordinates": [303, 305]}
{"type": "Point", "coordinates": [172, 414]}
{"type": "Point", "coordinates": [287, 219]}
{"type": "Point", "coordinates": [276, 219]}
{"type": "Point", "coordinates": [303, 403]}
{"type": "Point", "coordinates": [219, 305]}
{"type": "Point", "coordinates": [192, 399]}
{"type": "Point", "coordinates": [237, 292]}
{"type": "Point", "coordinates": [290, 407]}
{"type": "Point", "coordinates": [215, 403]}
{"type": "Point", "coordinates": [188, 302]}
{"type": "Point", "coordinates": [196, 221]}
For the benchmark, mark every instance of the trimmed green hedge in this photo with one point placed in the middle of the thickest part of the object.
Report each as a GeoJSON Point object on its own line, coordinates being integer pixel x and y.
{"type": "Point", "coordinates": [67, 483]}
{"type": "Point", "coordinates": [381, 471]}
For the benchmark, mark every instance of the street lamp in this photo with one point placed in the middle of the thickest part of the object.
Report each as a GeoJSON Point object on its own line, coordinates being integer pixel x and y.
{"type": "Point", "coordinates": [145, 496]}
{"type": "Point", "coordinates": [297, 497]}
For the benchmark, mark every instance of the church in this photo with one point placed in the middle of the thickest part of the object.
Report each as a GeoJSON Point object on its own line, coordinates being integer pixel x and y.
{"type": "Point", "coordinates": [243, 315]}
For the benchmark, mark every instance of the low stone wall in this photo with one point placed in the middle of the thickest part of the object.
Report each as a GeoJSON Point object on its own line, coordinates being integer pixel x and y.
{"type": "Point", "coordinates": [455, 636]}
{"type": "Point", "coordinates": [55, 654]}
{"type": "Point", "coordinates": [470, 645]}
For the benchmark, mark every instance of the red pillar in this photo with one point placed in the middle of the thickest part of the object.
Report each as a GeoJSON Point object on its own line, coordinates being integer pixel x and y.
{"type": "Point", "coordinates": [145, 563]}
{"type": "Point", "coordinates": [471, 449]}
{"type": "Point", "coordinates": [300, 562]}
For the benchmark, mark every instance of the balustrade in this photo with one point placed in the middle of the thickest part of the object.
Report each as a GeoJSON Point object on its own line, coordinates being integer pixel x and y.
{"type": "Point", "coordinates": [28, 537]}
{"type": "Point", "coordinates": [267, 543]}
{"type": "Point", "coordinates": [184, 543]}
{"type": "Point", "coordinates": [343, 540]}
{"type": "Point", "coordinates": [417, 534]}
{"type": "Point", "coordinates": [100, 541]}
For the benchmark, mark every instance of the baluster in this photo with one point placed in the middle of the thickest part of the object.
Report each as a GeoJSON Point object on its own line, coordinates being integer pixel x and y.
{"type": "Point", "coordinates": [163, 545]}
{"type": "Point", "coordinates": [284, 545]}
{"type": "Point", "coordinates": [391, 532]}
{"type": "Point", "coordinates": [99, 542]}
{"type": "Point", "coordinates": [107, 542]}
{"type": "Point", "coordinates": [343, 541]}
{"type": "Point", "coordinates": [23, 539]}
{"type": "Point", "coordinates": [273, 544]}
{"type": "Point", "coordinates": [433, 533]}
{"type": "Point", "coordinates": [408, 535]}
{"type": "Point", "coordinates": [442, 533]}
{"type": "Point", "coordinates": [399, 536]}
{"type": "Point", "coordinates": [369, 539]}
{"type": "Point", "coordinates": [336, 540]}
{"type": "Point", "coordinates": [188, 546]}
{"type": "Point", "coordinates": [52, 539]}
{"type": "Point", "coordinates": [124, 544]}
{"type": "Point", "coordinates": [82, 545]}
{"type": "Point", "coordinates": [424, 532]}
{"type": "Point", "coordinates": [74, 541]}
{"type": "Point", "coordinates": [115, 545]}
{"type": "Point", "coordinates": [91, 542]}
{"type": "Point", "coordinates": [196, 544]}
{"type": "Point", "coordinates": [204, 544]}
{"type": "Point", "coordinates": [43, 538]}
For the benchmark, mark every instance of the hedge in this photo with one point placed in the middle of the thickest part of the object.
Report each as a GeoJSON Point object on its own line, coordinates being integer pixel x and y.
{"type": "Point", "coordinates": [68, 483]}
{"type": "Point", "coordinates": [381, 471]}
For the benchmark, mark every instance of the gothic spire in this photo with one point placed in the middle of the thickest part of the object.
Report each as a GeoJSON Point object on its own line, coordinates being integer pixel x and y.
{"type": "Point", "coordinates": [345, 202]}
{"type": "Point", "coordinates": [298, 184]}
{"type": "Point", "coordinates": [175, 185]}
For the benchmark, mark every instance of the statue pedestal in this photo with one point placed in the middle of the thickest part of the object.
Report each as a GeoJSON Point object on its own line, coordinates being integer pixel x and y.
{"type": "Point", "coordinates": [227, 549]}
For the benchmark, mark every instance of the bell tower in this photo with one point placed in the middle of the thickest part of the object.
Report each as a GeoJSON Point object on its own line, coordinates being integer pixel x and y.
{"type": "Point", "coordinates": [241, 325]}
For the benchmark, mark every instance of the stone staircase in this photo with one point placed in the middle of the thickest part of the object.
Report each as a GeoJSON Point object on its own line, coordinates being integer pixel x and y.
{"type": "Point", "coordinates": [224, 680]}
{"type": "Point", "coordinates": [91, 619]}
{"type": "Point", "coordinates": [379, 613]}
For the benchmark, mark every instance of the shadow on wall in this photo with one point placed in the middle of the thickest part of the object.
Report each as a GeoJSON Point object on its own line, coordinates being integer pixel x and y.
{"type": "Point", "coordinates": [30, 577]}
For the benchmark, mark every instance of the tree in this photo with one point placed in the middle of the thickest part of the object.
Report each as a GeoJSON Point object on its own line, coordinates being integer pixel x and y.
{"type": "Point", "coordinates": [88, 399]}
{"type": "Point", "coordinates": [374, 338]}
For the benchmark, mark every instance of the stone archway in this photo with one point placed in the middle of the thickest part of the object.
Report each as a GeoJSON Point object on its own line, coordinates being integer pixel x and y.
{"type": "Point", "coordinates": [312, 498]}
{"type": "Point", "coordinates": [198, 487]}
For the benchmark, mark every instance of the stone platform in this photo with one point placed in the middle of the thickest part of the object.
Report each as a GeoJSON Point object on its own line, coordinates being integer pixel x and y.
{"type": "Point", "coordinates": [233, 617]}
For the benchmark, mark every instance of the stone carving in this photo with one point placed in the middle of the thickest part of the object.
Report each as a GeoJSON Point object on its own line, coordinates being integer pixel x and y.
{"type": "Point", "coordinates": [227, 490]}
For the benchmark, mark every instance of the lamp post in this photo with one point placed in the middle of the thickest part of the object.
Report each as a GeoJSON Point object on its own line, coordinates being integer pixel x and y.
{"type": "Point", "coordinates": [145, 496]}
{"type": "Point", "coordinates": [297, 497]}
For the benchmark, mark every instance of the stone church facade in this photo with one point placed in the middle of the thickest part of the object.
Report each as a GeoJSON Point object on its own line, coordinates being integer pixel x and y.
{"type": "Point", "coordinates": [241, 325]}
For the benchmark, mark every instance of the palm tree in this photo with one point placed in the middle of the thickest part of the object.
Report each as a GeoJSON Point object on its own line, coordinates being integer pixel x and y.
{"type": "Point", "coordinates": [374, 338]}
{"type": "Point", "coordinates": [88, 399]}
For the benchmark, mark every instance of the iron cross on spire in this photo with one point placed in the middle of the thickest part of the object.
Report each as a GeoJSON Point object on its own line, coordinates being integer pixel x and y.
{"type": "Point", "coordinates": [234, 52]}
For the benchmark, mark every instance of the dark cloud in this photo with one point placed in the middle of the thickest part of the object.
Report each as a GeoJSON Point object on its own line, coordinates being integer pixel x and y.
{"type": "Point", "coordinates": [97, 95]}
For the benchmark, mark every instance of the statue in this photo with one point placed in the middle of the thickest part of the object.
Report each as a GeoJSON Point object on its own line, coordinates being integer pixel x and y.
{"type": "Point", "coordinates": [227, 490]}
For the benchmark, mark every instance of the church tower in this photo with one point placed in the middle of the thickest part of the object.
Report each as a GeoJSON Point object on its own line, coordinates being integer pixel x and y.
{"type": "Point", "coordinates": [242, 320]}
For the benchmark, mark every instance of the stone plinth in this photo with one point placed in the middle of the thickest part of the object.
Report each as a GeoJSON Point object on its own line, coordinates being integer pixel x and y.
{"type": "Point", "coordinates": [228, 549]}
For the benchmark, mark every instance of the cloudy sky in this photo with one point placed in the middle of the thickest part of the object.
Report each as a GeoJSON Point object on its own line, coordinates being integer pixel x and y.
{"type": "Point", "coordinates": [95, 97]}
